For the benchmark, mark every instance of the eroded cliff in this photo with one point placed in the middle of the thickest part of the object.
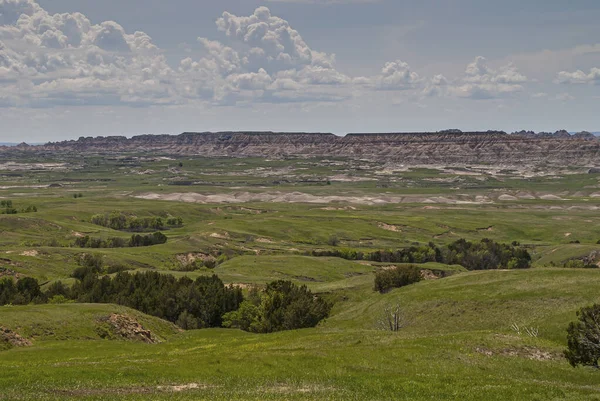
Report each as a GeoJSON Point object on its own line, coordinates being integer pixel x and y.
{"type": "Point", "coordinates": [447, 147]}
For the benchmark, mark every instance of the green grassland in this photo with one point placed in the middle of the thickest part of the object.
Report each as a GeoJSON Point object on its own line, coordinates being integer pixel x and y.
{"type": "Point", "coordinates": [458, 343]}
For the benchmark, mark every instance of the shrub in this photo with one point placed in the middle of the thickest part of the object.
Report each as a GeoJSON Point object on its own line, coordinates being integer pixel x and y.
{"type": "Point", "coordinates": [583, 338]}
{"type": "Point", "coordinates": [392, 318]}
{"type": "Point", "coordinates": [282, 306]}
{"type": "Point", "coordinates": [397, 277]}
{"type": "Point", "coordinates": [333, 240]}
{"type": "Point", "coordinates": [58, 299]}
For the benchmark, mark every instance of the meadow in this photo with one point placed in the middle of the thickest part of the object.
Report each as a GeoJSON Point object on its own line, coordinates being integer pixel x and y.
{"type": "Point", "coordinates": [492, 335]}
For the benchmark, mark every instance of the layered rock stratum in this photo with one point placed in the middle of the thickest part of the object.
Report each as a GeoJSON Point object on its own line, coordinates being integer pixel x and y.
{"type": "Point", "coordinates": [451, 147]}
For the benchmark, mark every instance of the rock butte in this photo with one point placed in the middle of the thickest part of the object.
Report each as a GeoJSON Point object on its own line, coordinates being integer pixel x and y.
{"type": "Point", "coordinates": [446, 147]}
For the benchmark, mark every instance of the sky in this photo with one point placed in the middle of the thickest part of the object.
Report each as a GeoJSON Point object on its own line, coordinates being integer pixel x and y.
{"type": "Point", "coordinates": [72, 68]}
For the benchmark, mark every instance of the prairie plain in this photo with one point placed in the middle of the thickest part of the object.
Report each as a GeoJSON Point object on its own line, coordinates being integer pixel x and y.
{"type": "Point", "coordinates": [470, 335]}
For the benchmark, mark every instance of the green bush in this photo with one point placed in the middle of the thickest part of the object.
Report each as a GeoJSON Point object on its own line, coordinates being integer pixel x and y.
{"type": "Point", "coordinates": [281, 306]}
{"type": "Point", "coordinates": [397, 277]}
{"type": "Point", "coordinates": [583, 338]}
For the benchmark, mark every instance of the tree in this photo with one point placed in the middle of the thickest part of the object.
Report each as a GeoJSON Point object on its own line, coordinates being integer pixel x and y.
{"type": "Point", "coordinates": [281, 306]}
{"type": "Point", "coordinates": [583, 338]}
{"type": "Point", "coordinates": [247, 318]}
{"type": "Point", "coordinates": [29, 288]}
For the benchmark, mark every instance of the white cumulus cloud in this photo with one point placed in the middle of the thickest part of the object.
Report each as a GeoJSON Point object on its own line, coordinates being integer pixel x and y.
{"type": "Point", "coordinates": [65, 59]}
{"type": "Point", "coordinates": [579, 77]}
{"type": "Point", "coordinates": [479, 81]}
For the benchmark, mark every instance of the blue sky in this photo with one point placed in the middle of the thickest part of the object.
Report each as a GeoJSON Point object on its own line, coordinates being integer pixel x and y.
{"type": "Point", "coordinates": [71, 68]}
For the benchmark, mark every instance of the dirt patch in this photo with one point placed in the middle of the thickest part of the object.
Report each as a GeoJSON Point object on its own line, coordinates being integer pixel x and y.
{"type": "Point", "coordinates": [224, 235]}
{"type": "Point", "coordinates": [252, 211]}
{"type": "Point", "coordinates": [189, 258]}
{"type": "Point", "coordinates": [265, 241]}
{"type": "Point", "coordinates": [550, 197]}
{"type": "Point", "coordinates": [77, 234]}
{"type": "Point", "coordinates": [125, 327]}
{"type": "Point", "coordinates": [13, 339]}
{"type": "Point", "coordinates": [490, 228]}
{"type": "Point", "coordinates": [29, 253]}
{"type": "Point", "coordinates": [527, 352]}
{"type": "Point", "coordinates": [567, 234]}
{"type": "Point", "coordinates": [4, 272]}
{"type": "Point", "coordinates": [243, 286]}
{"type": "Point", "coordinates": [285, 389]}
{"type": "Point", "coordinates": [389, 227]}
{"type": "Point", "coordinates": [183, 387]}
{"type": "Point", "coordinates": [427, 274]}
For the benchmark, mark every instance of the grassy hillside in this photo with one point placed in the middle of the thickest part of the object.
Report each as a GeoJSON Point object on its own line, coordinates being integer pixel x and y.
{"type": "Point", "coordinates": [459, 345]}
{"type": "Point", "coordinates": [65, 322]}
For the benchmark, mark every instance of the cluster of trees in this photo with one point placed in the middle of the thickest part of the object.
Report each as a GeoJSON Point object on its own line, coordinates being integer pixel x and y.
{"type": "Point", "coordinates": [191, 304]}
{"type": "Point", "coordinates": [483, 255]}
{"type": "Point", "coordinates": [487, 254]}
{"type": "Point", "coordinates": [281, 306]}
{"type": "Point", "coordinates": [397, 277]}
{"type": "Point", "coordinates": [93, 263]}
{"type": "Point", "coordinates": [6, 207]}
{"type": "Point", "coordinates": [188, 303]}
{"type": "Point", "coordinates": [136, 240]}
{"type": "Point", "coordinates": [120, 221]}
{"type": "Point", "coordinates": [22, 292]}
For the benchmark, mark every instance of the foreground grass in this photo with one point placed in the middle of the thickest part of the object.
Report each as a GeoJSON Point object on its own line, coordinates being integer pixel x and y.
{"type": "Point", "coordinates": [307, 364]}
{"type": "Point", "coordinates": [458, 346]}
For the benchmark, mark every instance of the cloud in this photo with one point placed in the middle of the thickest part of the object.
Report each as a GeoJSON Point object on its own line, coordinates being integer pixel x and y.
{"type": "Point", "coordinates": [479, 82]}
{"type": "Point", "coordinates": [267, 61]}
{"type": "Point", "coordinates": [395, 75]}
{"type": "Point", "coordinates": [579, 77]}
{"type": "Point", "coordinates": [564, 97]}
{"type": "Point", "coordinates": [65, 59]}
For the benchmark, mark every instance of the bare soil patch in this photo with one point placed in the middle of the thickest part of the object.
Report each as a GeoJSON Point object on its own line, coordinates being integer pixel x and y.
{"type": "Point", "coordinates": [265, 241]}
{"type": "Point", "coordinates": [126, 327]}
{"type": "Point", "coordinates": [299, 197]}
{"type": "Point", "coordinates": [183, 387]}
{"type": "Point", "coordinates": [389, 227]}
{"type": "Point", "coordinates": [4, 272]}
{"type": "Point", "coordinates": [428, 275]}
{"type": "Point", "coordinates": [12, 338]}
{"type": "Point", "coordinates": [527, 352]}
{"type": "Point", "coordinates": [223, 235]}
{"type": "Point", "coordinates": [189, 258]}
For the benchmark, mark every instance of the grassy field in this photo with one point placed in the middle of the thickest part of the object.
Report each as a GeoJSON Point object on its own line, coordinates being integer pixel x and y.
{"type": "Point", "coordinates": [458, 343]}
